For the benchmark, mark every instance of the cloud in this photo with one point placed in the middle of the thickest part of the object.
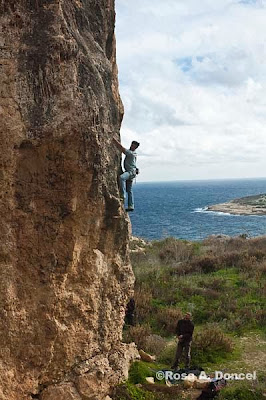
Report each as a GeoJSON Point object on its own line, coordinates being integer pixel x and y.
{"type": "Point", "coordinates": [193, 80]}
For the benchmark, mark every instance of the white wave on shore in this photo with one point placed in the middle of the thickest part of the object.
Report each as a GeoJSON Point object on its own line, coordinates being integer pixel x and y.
{"type": "Point", "coordinates": [205, 210]}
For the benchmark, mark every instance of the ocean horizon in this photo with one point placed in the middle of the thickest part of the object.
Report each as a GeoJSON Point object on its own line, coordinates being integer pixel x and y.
{"type": "Point", "coordinates": [179, 208]}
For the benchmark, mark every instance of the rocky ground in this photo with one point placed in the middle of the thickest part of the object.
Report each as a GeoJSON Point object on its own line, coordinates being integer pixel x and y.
{"type": "Point", "coordinates": [251, 205]}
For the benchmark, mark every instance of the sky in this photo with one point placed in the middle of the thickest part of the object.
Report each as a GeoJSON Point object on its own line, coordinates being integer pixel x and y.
{"type": "Point", "coordinates": [192, 78]}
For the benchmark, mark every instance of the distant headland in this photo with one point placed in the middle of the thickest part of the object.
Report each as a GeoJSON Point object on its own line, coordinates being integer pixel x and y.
{"type": "Point", "coordinates": [250, 205]}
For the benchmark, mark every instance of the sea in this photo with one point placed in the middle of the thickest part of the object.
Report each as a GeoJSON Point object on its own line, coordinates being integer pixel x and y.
{"type": "Point", "coordinates": [179, 209]}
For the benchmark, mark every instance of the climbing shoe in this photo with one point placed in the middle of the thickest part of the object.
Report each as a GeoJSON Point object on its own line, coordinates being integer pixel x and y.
{"type": "Point", "coordinates": [129, 209]}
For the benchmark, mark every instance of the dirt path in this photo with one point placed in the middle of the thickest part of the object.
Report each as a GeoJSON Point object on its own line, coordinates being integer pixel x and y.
{"type": "Point", "coordinates": [252, 355]}
{"type": "Point", "coordinates": [254, 351]}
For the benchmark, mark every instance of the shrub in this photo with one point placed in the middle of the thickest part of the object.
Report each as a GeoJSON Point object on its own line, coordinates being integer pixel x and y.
{"type": "Point", "coordinates": [236, 325]}
{"type": "Point", "coordinates": [247, 314]}
{"type": "Point", "coordinates": [188, 291]}
{"type": "Point", "coordinates": [167, 319]}
{"type": "Point", "coordinates": [138, 372]}
{"type": "Point", "coordinates": [213, 283]}
{"type": "Point", "coordinates": [143, 298]}
{"type": "Point", "coordinates": [167, 355]}
{"type": "Point", "coordinates": [257, 254]}
{"type": "Point", "coordinates": [261, 317]}
{"type": "Point", "coordinates": [211, 294]}
{"type": "Point", "coordinates": [240, 391]}
{"type": "Point", "coordinates": [138, 334]}
{"type": "Point", "coordinates": [213, 337]}
{"type": "Point", "coordinates": [184, 269]}
{"type": "Point", "coordinates": [155, 344]}
{"type": "Point", "coordinates": [262, 270]}
{"type": "Point", "coordinates": [236, 244]}
{"type": "Point", "coordinates": [259, 243]}
{"type": "Point", "coordinates": [174, 250]}
{"type": "Point", "coordinates": [211, 344]}
{"type": "Point", "coordinates": [206, 263]}
{"type": "Point", "coordinates": [233, 259]}
{"type": "Point", "coordinates": [128, 391]}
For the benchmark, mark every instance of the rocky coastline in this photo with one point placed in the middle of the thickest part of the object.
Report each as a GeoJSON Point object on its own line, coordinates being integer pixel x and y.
{"type": "Point", "coordinates": [250, 205]}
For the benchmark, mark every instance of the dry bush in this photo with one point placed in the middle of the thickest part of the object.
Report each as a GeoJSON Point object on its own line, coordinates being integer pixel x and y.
{"type": "Point", "coordinates": [143, 297]}
{"type": "Point", "coordinates": [204, 292]}
{"type": "Point", "coordinates": [212, 338]}
{"type": "Point", "coordinates": [244, 260]}
{"type": "Point", "coordinates": [237, 243]}
{"type": "Point", "coordinates": [210, 293]}
{"type": "Point", "coordinates": [236, 324]}
{"type": "Point", "coordinates": [175, 250]}
{"type": "Point", "coordinates": [247, 314]}
{"type": "Point", "coordinates": [233, 259]}
{"type": "Point", "coordinates": [155, 344]}
{"type": "Point", "coordinates": [261, 269]}
{"type": "Point", "coordinates": [214, 242]}
{"type": "Point", "coordinates": [188, 291]}
{"type": "Point", "coordinates": [257, 317]}
{"type": "Point", "coordinates": [258, 243]}
{"type": "Point", "coordinates": [258, 254]}
{"type": "Point", "coordinates": [248, 264]}
{"type": "Point", "coordinates": [206, 264]}
{"type": "Point", "coordinates": [261, 317]}
{"type": "Point", "coordinates": [184, 269]}
{"type": "Point", "coordinates": [214, 283]}
{"type": "Point", "coordinates": [138, 334]}
{"type": "Point", "coordinates": [220, 314]}
{"type": "Point", "coordinates": [233, 249]}
{"type": "Point", "coordinates": [138, 258]}
{"type": "Point", "coordinates": [167, 319]}
{"type": "Point", "coordinates": [167, 355]}
{"type": "Point", "coordinates": [244, 291]}
{"type": "Point", "coordinates": [230, 304]}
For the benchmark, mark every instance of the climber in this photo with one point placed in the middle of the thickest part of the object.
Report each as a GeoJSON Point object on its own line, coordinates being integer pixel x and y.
{"type": "Point", "coordinates": [126, 178]}
{"type": "Point", "coordinates": [184, 331]}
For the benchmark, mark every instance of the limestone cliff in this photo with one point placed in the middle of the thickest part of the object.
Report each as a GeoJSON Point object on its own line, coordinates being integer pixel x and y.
{"type": "Point", "coordinates": [65, 273]}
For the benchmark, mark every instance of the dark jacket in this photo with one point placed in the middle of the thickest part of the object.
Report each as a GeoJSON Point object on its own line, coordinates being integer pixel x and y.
{"type": "Point", "coordinates": [185, 328]}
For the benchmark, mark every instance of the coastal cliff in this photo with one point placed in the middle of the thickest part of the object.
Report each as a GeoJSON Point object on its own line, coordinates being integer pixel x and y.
{"type": "Point", "coordinates": [65, 270]}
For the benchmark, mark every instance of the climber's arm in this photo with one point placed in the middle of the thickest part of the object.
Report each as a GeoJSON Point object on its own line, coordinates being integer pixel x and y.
{"type": "Point", "coordinates": [119, 146]}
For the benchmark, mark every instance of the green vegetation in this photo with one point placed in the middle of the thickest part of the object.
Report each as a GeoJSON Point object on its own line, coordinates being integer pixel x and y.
{"type": "Point", "coordinates": [222, 282]}
{"type": "Point", "coordinates": [219, 281]}
{"type": "Point", "coordinates": [139, 371]}
{"type": "Point", "coordinates": [128, 391]}
{"type": "Point", "coordinates": [241, 391]}
{"type": "Point", "coordinates": [258, 200]}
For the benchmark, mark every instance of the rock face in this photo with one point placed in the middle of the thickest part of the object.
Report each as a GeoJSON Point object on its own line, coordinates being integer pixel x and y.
{"type": "Point", "coordinates": [65, 272]}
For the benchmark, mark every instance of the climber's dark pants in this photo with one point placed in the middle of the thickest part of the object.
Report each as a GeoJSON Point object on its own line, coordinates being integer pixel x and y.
{"type": "Point", "coordinates": [182, 346]}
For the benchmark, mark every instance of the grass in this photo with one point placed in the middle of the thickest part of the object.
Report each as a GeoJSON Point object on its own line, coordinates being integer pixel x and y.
{"type": "Point", "coordinates": [128, 391]}
{"type": "Point", "coordinates": [241, 391]}
{"type": "Point", "coordinates": [223, 283]}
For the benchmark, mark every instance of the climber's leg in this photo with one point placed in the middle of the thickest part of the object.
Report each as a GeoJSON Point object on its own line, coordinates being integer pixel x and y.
{"type": "Point", "coordinates": [123, 178]}
{"type": "Point", "coordinates": [129, 184]}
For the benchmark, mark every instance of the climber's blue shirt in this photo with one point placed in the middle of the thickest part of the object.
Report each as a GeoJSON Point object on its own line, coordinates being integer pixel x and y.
{"type": "Point", "coordinates": [130, 161]}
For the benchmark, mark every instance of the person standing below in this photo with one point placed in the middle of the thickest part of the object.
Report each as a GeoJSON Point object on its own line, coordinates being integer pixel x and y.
{"type": "Point", "coordinates": [184, 332]}
{"type": "Point", "coordinates": [126, 179]}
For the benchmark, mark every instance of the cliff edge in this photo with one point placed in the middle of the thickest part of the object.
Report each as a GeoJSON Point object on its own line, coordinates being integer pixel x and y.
{"type": "Point", "coordinates": [65, 271]}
